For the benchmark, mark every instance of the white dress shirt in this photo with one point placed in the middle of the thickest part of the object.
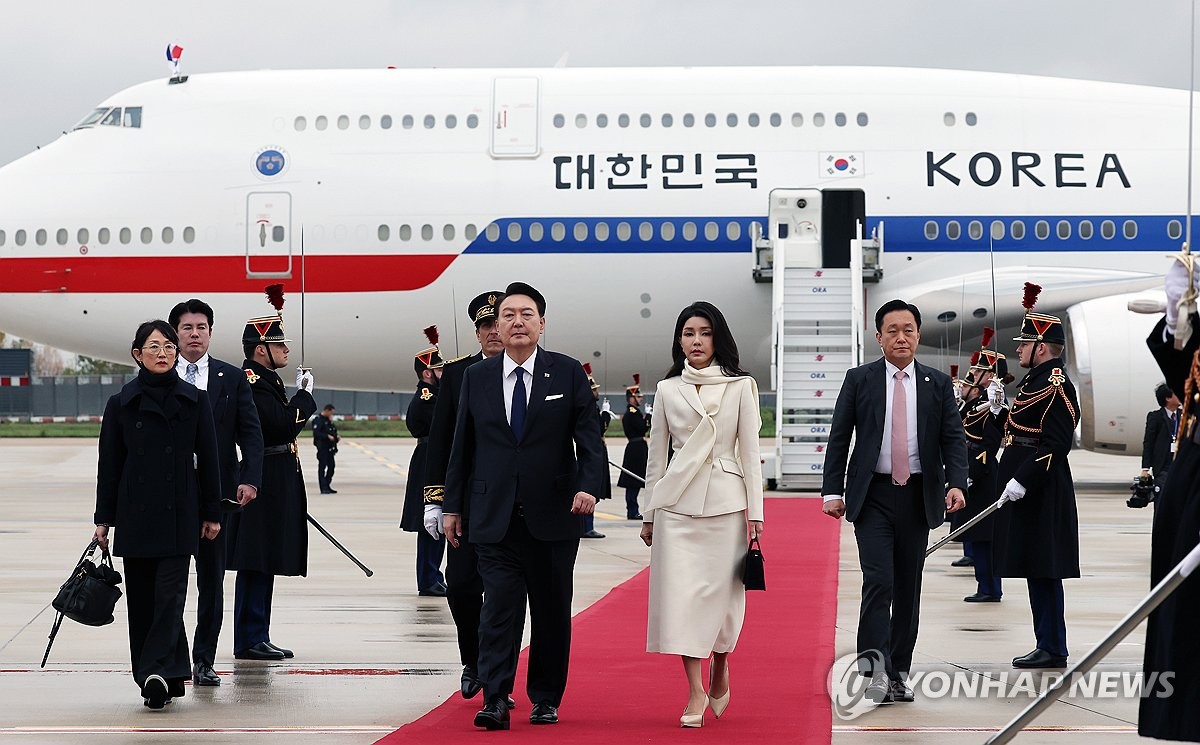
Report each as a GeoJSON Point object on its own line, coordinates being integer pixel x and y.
{"type": "Point", "coordinates": [201, 371]}
{"type": "Point", "coordinates": [884, 464]}
{"type": "Point", "coordinates": [510, 380]}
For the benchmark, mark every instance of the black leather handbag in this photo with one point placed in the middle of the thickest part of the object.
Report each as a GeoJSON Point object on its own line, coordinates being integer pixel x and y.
{"type": "Point", "coordinates": [753, 572]}
{"type": "Point", "coordinates": [89, 595]}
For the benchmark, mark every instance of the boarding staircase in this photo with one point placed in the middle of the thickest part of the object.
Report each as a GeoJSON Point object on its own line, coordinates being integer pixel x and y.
{"type": "Point", "coordinates": [817, 326]}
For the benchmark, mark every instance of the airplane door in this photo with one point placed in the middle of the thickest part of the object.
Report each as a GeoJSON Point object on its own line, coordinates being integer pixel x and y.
{"type": "Point", "coordinates": [269, 235]}
{"type": "Point", "coordinates": [515, 118]}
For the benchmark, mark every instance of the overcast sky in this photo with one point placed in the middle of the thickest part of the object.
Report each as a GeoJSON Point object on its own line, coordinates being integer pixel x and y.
{"type": "Point", "coordinates": [60, 58]}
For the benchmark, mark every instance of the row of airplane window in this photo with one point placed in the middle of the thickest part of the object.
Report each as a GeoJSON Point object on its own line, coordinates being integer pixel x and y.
{"type": "Point", "coordinates": [580, 231]}
{"type": "Point", "coordinates": [128, 116]}
{"type": "Point", "coordinates": [103, 236]}
{"type": "Point", "coordinates": [1041, 229]}
{"type": "Point", "coordinates": [450, 121]}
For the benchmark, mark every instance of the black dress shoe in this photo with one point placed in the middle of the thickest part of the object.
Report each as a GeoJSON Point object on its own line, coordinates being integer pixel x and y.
{"type": "Point", "coordinates": [260, 651]}
{"type": "Point", "coordinates": [287, 653]}
{"type": "Point", "coordinates": [204, 675]}
{"type": "Point", "coordinates": [471, 685]}
{"type": "Point", "coordinates": [965, 561]}
{"type": "Point", "coordinates": [879, 691]}
{"type": "Point", "coordinates": [979, 597]}
{"type": "Point", "coordinates": [633, 517]}
{"type": "Point", "coordinates": [593, 534]}
{"type": "Point", "coordinates": [437, 591]}
{"type": "Point", "coordinates": [154, 692]}
{"type": "Point", "coordinates": [332, 490]}
{"type": "Point", "coordinates": [327, 491]}
{"type": "Point", "coordinates": [1039, 658]}
{"type": "Point", "coordinates": [543, 713]}
{"type": "Point", "coordinates": [494, 715]}
{"type": "Point", "coordinates": [901, 692]}
{"type": "Point", "coordinates": [175, 688]}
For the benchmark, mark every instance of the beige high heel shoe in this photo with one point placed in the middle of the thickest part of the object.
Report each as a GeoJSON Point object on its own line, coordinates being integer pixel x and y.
{"type": "Point", "coordinates": [692, 720]}
{"type": "Point", "coordinates": [718, 705]}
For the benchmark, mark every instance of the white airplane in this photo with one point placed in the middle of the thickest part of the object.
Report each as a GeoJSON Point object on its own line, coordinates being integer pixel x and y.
{"type": "Point", "coordinates": [386, 199]}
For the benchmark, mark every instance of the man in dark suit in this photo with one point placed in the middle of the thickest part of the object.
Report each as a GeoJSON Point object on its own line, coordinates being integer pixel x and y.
{"type": "Point", "coordinates": [325, 439]}
{"type": "Point", "coordinates": [908, 468]}
{"type": "Point", "coordinates": [1159, 440]}
{"type": "Point", "coordinates": [513, 470]}
{"type": "Point", "coordinates": [236, 420]}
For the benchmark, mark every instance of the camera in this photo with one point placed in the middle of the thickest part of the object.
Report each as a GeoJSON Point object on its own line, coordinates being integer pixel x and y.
{"type": "Point", "coordinates": [1144, 491]}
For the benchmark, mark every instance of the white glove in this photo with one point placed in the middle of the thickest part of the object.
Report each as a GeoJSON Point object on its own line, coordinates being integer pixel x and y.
{"type": "Point", "coordinates": [433, 520]}
{"type": "Point", "coordinates": [995, 395]}
{"type": "Point", "coordinates": [970, 481]}
{"type": "Point", "coordinates": [648, 408]}
{"type": "Point", "coordinates": [304, 380]}
{"type": "Point", "coordinates": [1175, 284]}
{"type": "Point", "coordinates": [605, 406]}
{"type": "Point", "coordinates": [1012, 491]}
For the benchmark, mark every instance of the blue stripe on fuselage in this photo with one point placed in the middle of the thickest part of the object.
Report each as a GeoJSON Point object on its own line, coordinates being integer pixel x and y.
{"type": "Point", "coordinates": [902, 234]}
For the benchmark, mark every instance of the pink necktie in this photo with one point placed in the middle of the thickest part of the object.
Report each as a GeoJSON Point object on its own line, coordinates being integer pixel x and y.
{"type": "Point", "coordinates": [900, 471]}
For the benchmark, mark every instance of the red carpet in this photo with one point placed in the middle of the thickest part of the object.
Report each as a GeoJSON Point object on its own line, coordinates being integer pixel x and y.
{"type": "Point", "coordinates": [620, 694]}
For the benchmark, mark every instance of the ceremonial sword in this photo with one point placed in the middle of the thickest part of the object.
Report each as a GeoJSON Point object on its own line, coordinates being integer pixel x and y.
{"type": "Point", "coordinates": [966, 526]}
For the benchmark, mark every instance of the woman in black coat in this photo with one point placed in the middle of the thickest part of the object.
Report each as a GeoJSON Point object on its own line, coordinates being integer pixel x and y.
{"type": "Point", "coordinates": [158, 483]}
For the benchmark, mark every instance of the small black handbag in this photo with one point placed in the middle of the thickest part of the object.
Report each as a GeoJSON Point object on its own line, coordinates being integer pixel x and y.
{"type": "Point", "coordinates": [89, 595]}
{"type": "Point", "coordinates": [753, 573]}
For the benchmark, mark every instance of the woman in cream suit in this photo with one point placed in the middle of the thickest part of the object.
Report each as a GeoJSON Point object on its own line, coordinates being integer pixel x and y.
{"type": "Point", "coordinates": [701, 508]}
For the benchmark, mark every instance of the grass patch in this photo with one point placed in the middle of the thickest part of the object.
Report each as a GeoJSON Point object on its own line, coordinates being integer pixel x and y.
{"type": "Point", "coordinates": [50, 429]}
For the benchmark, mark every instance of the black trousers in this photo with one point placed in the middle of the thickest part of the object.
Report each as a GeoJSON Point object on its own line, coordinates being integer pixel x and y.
{"type": "Point", "coordinates": [252, 594]}
{"type": "Point", "coordinates": [1048, 604]}
{"type": "Point", "coordinates": [518, 567]}
{"type": "Point", "coordinates": [210, 588]}
{"type": "Point", "coordinates": [892, 535]}
{"type": "Point", "coordinates": [429, 560]}
{"type": "Point", "coordinates": [155, 593]}
{"type": "Point", "coordinates": [325, 466]}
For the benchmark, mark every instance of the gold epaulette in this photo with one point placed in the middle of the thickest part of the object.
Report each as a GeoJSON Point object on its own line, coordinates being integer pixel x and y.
{"type": "Point", "coordinates": [457, 359]}
{"type": "Point", "coordinates": [434, 494]}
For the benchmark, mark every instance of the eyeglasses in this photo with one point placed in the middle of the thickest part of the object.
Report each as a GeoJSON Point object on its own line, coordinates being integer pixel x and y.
{"type": "Point", "coordinates": [160, 348]}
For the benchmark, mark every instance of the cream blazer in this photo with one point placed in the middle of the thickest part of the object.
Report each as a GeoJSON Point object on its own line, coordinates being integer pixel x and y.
{"type": "Point", "coordinates": [720, 472]}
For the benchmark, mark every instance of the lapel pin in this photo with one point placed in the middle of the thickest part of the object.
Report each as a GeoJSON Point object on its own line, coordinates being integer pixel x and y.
{"type": "Point", "coordinates": [546, 374]}
{"type": "Point", "coordinates": [926, 378]}
{"type": "Point", "coordinates": [220, 374]}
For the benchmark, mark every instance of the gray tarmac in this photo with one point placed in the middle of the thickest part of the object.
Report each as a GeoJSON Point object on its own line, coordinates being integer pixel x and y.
{"type": "Point", "coordinates": [371, 655]}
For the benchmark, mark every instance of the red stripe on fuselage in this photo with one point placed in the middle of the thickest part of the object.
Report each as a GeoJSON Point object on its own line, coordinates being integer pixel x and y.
{"type": "Point", "coordinates": [212, 274]}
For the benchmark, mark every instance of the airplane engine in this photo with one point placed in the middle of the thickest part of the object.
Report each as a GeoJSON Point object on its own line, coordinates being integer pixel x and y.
{"type": "Point", "coordinates": [1113, 371]}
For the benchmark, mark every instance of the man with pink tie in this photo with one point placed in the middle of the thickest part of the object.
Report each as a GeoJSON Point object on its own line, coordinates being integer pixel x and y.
{"type": "Point", "coordinates": [908, 469]}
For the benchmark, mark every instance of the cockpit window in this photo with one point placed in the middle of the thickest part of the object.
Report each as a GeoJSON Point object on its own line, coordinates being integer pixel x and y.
{"type": "Point", "coordinates": [116, 116]}
{"type": "Point", "coordinates": [92, 118]}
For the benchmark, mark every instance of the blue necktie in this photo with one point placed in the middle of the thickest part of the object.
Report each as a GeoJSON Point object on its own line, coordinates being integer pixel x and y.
{"type": "Point", "coordinates": [190, 375]}
{"type": "Point", "coordinates": [519, 404]}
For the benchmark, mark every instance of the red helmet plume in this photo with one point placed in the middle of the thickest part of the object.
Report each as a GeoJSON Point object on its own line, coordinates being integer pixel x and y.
{"type": "Point", "coordinates": [1031, 295]}
{"type": "Point", "coordinates": [587, 368]}
{"type": "Point", "coordinates": [275, 297]}
{"type": "Point", "coordinates": [431, 333]}
{"type": "Point", "coordinates": [954, 371]}
{"type": "Point", "coordinates": [975, 358]}
{"type": "Point", "coordinates": [988, 333]}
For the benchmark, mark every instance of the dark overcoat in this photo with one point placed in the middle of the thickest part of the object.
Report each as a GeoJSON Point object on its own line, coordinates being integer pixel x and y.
{"type": "Point", "coordinates": [419, 420]}
{"type": "Point", "coordinates": [636, 424]}
{"type": "Point", "coordinates": [236, 421]}
{"type": "Point", "coordinates": [271, 534]}
{"type": "Point", "coordinates": [983, 430]}
{"type": "Point", "coordinates": [1172, 644]}
{"type": "Point", "coordinates": [157, 476]}
{"type": "Point", "coordinates": [1038, 535]}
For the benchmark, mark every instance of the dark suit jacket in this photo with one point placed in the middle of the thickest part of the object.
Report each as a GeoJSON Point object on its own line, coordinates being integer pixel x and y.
{"type": "Point", "coordinates": [236, 421]}
{"type": "Point", "coordinates": [941, 443]}
{"type": "Point", "coordinates": [489, 467]}
{"type": "Point", "coordinates": [1156, 444]}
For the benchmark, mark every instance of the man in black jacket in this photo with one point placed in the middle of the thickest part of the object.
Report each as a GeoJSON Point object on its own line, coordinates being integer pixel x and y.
{"type": "Point", "coordinates": [236, 421]}
{"type": "Point", "coordinates": [464, 587]}
{"type": "Point", "coordinates": [419, 419]}
{"type": "Point", "coordinates": [1159, 441]}
{"type": "Point", "coordinates": [325, 439]}
{"type": "Point", "coordinates": [514, 471]}
{"type": "Point", "coordinates": [270, 536]}
{"type": "Point", "coordinates": [908, 469]}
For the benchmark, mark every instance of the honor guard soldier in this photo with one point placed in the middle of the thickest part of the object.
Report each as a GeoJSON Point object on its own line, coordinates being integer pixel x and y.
{"type": "Point", "coordinates": [605, 414]}
{"type": "Point", "coordinates": [464, 587]}
{"type": "Point", "coordinates": [636, 424]}
{"type": "Point", "coordinates": [1037, 536]}
{"type": "Point", "coordinates": [1170, 674]}
{"type": "Point", "coordinates": [269, 537]}
{"type": "Point", "coordinates": [983, 412]}
{"type": "Point", "coordinates": [428, 366]}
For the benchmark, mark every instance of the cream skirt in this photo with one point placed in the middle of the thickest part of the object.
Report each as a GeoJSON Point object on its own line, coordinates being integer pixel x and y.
{"type": "Point", "coordinates": [697, 599]}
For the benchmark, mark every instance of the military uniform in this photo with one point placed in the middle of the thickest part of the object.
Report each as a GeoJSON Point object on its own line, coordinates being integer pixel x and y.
{"type": "Point", "coordinates": [269, 537]}
{"type": "Point", "coordinates": [636, 424]}
{"type": "Point", "coordinates": [1172, 642]}
{"type": "Point", "coordinates": [419, 419]}
{"type": "Point", "coordinates": [983, 430]}
{"type": "Point", "coordinates": [325, 438]}
{"type": "Point", "coordinates": [464, 586]}
{"type": "Point", "coordinates": [1037, 536]}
